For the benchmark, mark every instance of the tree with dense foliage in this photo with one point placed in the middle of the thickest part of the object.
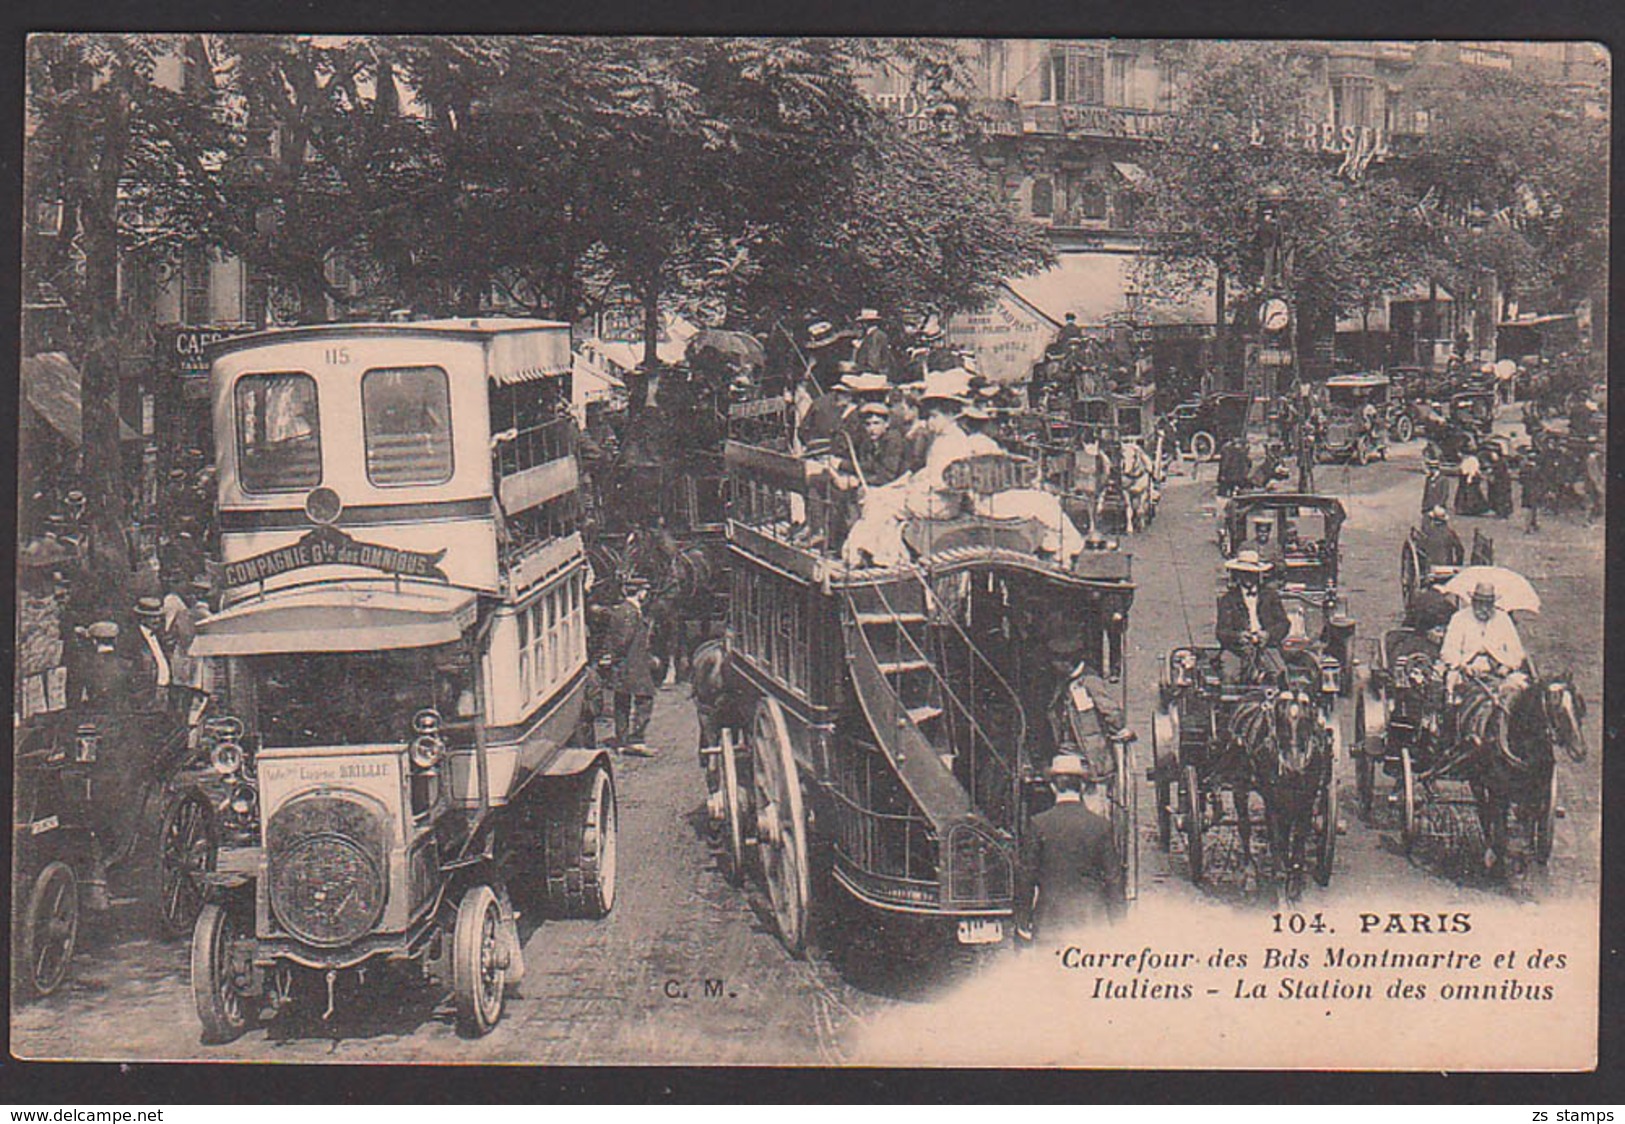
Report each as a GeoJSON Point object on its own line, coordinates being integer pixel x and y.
{"type": "Point", "coordinates": [1233, 139]}
{"type": "Point", "coordinates": [100, 150]}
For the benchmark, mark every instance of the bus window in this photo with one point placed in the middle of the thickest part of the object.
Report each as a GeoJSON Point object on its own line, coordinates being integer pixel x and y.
{"type": "Point", "coordinates": [279, 436]}
{"type": "Point", "coordinates": [407, 416]}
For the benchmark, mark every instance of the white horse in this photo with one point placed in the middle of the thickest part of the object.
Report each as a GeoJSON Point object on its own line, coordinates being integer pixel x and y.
{"type": "Point", "coordinates": [1139, 486]}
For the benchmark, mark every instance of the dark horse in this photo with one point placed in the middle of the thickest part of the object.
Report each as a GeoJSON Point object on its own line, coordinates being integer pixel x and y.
{"type": "Point", "coordinates": [683, 610]}
{"type": "Point", "coordinates": [1507, 741]}
{"type": "Point", "coordinates": [1288, 744]}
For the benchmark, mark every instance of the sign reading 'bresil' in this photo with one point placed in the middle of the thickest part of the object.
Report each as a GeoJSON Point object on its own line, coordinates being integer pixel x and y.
{"type": "Point", "coordinates": [329, 546]}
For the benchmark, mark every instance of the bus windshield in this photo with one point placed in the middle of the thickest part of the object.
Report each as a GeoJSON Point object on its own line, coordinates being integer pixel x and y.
{"type": "Point", "coordinates": [354, 698]}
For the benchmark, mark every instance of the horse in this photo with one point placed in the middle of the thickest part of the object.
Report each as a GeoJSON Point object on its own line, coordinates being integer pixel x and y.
{"type": "Point", "coordinates": [680, 610]}
{"type": "Point", "coordinates": [1139, 494]}
{"type": "Point", "coordinates": [1287, 743]}
{"type": "Point", "coordinates": [1507, 736]}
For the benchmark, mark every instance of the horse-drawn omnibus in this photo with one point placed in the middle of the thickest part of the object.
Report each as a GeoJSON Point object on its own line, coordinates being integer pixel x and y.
{"type": "Point", "coordinates": [888, 721]}
{"type": "Point", "coordinates": [403, 652]}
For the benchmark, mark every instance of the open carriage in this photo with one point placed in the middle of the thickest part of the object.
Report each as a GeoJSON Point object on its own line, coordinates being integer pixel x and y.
{"type": "Point", "coordinates": [1419, 572]}
{"type": "Point", "coordinates": [890, 720]}
{"type": "Point", "coordinates": [402, 650]}
{"type": "Point", "coordinates": [1201, 732]}
{"type": "Point", "coordinates": [1456, 768]}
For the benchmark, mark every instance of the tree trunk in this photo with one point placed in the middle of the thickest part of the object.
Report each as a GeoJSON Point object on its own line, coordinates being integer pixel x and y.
{"type": "Point", "coordinates": [311, 283]}
{"type": "Point", "coordinates": [97, 312]}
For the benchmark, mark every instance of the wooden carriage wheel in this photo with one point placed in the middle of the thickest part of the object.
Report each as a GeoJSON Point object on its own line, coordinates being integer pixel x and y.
{"type": "Point", "coordinates": [1409, 572]}
{"type": "Point", "coordinates": [1164, 739]}
{"type": "Point", "coordinates": [1326, 812]}
{"type": "Point", "coordinates": [734, 835]}
{"type": "Point", "coordinates": [1193, 823]}
{"type": "Point", "coordinates": [781, 824]}
{"type": "Point", "coordinates": [1408, 775]}
{"type": "Point", "coordinates": [1125, 819]}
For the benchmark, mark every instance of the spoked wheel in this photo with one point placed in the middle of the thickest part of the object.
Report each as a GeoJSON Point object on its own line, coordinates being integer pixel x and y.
{"type": "Point", "coordinates": [188, 848]}
{"type": "Point", "coordinates": [1164, 739]}
{"type": "Point", "coordinates": [1408, 781]}
{"type": "Point", "coordinates": [1404, 428]}
{"type": "Point", "coordinates": [732, 827]}
{"type": "Point", "coordinates": [1203, 446]}
{"type": "Point", "coordinates": [1544, 827]}
{"type": "Point", "coordinates": [1409, 572]}
{"type": "Point", "coordinates": [1365, 784]}
{"type": "Point", "coordinates": [222, 1008]}
{"type": "Point", "coordinates": [1193, 823]}
{"type": "Point", "coordinates": [781, 825]}
{"type": "Point", "coordinates": [479, 960]}
{"type": "Point", "coordinates": [1364, 769]}
{"type": "Point", "coordinates": [49, 930]}
{"type": "Point", "coordinates": [1125, 818]}
{"type": "Point", "coordinates": [1326, 815]}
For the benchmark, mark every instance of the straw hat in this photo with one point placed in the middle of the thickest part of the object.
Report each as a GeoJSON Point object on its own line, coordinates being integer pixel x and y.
{"type": "Point", "coordinates": [1247, 562]}
{"type": "Point", "coordinates": [867, 383]}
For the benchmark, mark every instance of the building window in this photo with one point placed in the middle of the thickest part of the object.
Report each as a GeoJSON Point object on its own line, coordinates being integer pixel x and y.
{"type": "Point", "coordinates": [1089, 200]}
{"type": "Point", "coordinates": [1356, 101]}
{"type": "Point", "coordinates": [279, 441]}
{"type": "Point", "coordinates": [1043, 198]}
{"type": "Point", "coordinates": [1075, 74]}
{"type": "Point", "coordinates": [195, 286]}
{"type": "Point", "coordinates": [1119, 67]}
{"type": "Point", "coordinates": [1170, 78]}
{"type": "Point", "coordinates": [406, 414]}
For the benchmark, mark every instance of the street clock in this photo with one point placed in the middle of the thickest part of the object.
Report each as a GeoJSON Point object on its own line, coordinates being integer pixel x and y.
{"type": "Point", "coordinates": [1274, 315]}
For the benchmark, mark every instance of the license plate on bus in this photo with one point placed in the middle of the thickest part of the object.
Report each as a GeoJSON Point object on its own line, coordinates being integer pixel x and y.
{"type": "Point", "coordinates": [981, 930]}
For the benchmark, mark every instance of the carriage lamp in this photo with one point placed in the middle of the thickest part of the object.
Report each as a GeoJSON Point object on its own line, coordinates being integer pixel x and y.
{"type": "Point", "coordinates": [226, 757]}
{"type": "Point", "coordinates": [225, 727]}
{"type": "Point", "coordinates": [243, 800]}
{"type": "Point", "coordinates": [428, 747]}
{"type": "Point", "coordinates": [87, 742]}
{"type": "Point", "coordinates": [1184, 667]}
{"type": "Point", "coordinates": [426, 751]}
{"type": "Point", "coordinates": [1331, 673]}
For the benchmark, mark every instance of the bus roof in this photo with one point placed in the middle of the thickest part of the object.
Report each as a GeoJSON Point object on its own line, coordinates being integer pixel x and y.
{"type": "Point", "coordinates": [520, 350]}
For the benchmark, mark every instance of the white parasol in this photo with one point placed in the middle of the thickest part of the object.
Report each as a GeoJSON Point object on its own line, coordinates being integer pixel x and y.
{"type": "Point", "coordinates": [1513, 592]}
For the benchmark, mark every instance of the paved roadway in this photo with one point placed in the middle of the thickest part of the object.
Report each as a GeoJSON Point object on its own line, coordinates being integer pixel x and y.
{"type": "Point", "coordinates": [632, 988]}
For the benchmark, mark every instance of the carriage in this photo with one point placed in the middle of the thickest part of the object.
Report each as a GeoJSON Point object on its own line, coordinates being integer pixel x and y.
{"type": "Point", "coordinates": [1442, 760]}
{"type": "Point", "coordinates": [1201, 426]}
{"type": "Point", "coordinates": [1302, 545]}
{"type": "Point", "coordinates": [1200, 735]}
{"type": "Point", "coordinates": [887, 735]}
{"type": "Point", "coordinates": [1417, 571]}
{"type": "Point", "coordinates": [157, 860]}
{"type": "Point", "coordinates": [402, 649]}
{"type": "Point", "coordinates": [1347, 436]}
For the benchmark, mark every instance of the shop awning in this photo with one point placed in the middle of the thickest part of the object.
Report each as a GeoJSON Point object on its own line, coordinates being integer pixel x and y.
{"type": "Point", "coordinates": [1096, 286]}
{"type": "Point", "coordinates": [337, 619]}
{"type": "Point", "coordinates": [1133, 174]}
{"type": "Point", "coordinates": [51, 387]}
